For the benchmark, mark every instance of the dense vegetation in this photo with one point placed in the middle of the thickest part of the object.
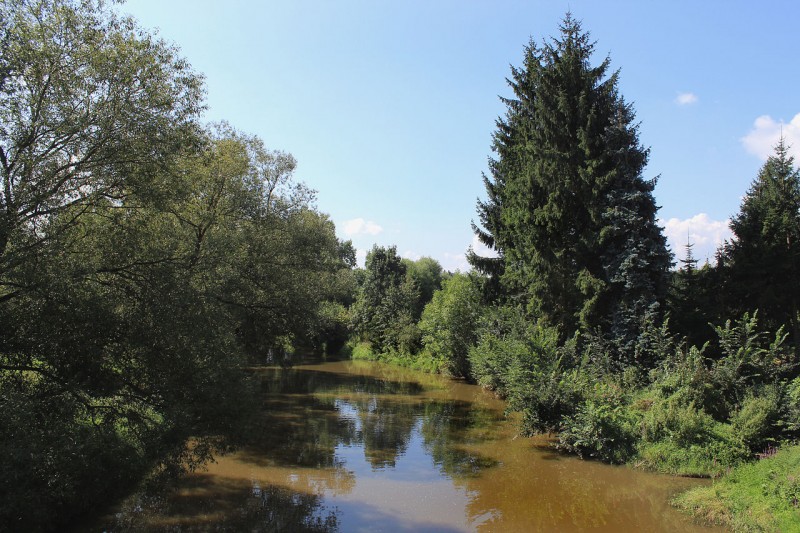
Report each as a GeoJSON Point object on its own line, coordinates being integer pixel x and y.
{"type": "Point", "coordinates": [579, 321]}
{"type": "Point", "coordinates": [147, 258]}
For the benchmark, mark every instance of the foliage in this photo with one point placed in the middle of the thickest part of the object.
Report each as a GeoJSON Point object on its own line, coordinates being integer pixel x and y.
{"type": "Point", "coordinates": [754, 424]}
{"type": "Point", "coordinates": [762, 496]}
{"type": "Point", "coordinates": [761, 264]}
{"type": "Point", "coordinates": [524, 364]}
{"type": "Point", "coordinates": [695, 301]}
{"type": "Point", "coordinates": [391, 299]}
{"type": "Point", "coordinates": [144, 261]}
{"type": "Point", "coordinates": [426, 275]}
{"type": "Point", "coordinates": [449, 323]}
{"type": "Point", "coordinates": [91, 108]}
{"type": "Point", "coordinates": [602, 428]}
{"type": "Point", "coordinates": [383, 306]}
{"type": "Point", "coordinates": [567, 209]}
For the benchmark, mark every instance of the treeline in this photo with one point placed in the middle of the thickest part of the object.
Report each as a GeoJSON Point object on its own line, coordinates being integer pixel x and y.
{"type": "Point", "coordinates": [580, 320]}
{"type": "Point", "coordinates": [145, 260]}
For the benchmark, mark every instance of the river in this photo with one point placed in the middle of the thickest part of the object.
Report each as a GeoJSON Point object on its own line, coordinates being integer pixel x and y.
{"type": "Point", "coordinates": [354, 446]}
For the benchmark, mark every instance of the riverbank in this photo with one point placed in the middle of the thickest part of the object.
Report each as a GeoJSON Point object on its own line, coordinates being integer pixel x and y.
{"type": "Point", "coordinates": [760, 496]}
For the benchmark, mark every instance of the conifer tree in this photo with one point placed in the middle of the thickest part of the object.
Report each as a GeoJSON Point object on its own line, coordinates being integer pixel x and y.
{"type": "Point", "coordinates": [693, 302]}
{"type": "Point", "coordinates": [567, 208]}
{"type": "Point", "coordinates": [763, 261]}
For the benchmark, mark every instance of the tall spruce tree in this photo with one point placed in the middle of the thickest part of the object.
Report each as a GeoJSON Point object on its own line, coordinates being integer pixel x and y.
{"type": "Point", "coordinates": [763, 261]}
{"type": "Point", "coordinates": [567, 208]}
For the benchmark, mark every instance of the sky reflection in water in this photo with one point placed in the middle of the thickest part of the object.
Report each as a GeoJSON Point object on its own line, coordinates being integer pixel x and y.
{"type": "Point", "coordinates": [351, 446]}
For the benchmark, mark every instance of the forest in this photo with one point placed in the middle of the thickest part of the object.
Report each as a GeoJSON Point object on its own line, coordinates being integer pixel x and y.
{"type": "Point", "coordinates": [148, 259]}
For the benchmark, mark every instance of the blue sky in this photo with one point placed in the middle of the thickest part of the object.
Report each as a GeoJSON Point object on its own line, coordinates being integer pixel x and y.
{"type": "Point", "coordinates": [389, 107]}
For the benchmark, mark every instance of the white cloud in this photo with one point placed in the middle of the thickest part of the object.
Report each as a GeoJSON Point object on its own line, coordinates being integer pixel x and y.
{"type": "Point", "coordinates": [686, 99]}
{"type": "Point", "coordinates": [704, 233]}
{"type": "Point", "coordinates": [766, 133]}
{"type": "Point", "coordinates": [414, 256]}
{"type": "Point", "coordinates": [481, 249]}
{"type": "Point", "coordinates": [453, 262]}
{"type": "Point", "coordinates": [359, 226]}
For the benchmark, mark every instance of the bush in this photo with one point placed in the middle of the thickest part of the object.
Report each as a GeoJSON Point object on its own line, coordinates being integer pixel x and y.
{"type": "Point", "coordinates": [363, 350]}
{"type": "Point", "coordinates": [599, 430]}
{"type": "Point", "coordinates": [710, 459]}
{"type": "Point", "coordinates": [676, 420]}
{"type": "Point", "coordinates": [754, 423]}
{"type": "Point", "coordinates": [792, 408]}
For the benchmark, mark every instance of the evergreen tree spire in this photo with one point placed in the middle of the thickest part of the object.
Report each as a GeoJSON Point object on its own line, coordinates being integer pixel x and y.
{"type": "Point", "coordinates": [567, 207]}
{"type": "Point", "coordinates": [689, 262]}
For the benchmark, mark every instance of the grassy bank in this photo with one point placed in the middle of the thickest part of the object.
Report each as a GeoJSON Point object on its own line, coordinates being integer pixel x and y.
{"type": "Point", "coordinates": [760, 496]}
{"type": "Point", "coordinates": [364, 351]}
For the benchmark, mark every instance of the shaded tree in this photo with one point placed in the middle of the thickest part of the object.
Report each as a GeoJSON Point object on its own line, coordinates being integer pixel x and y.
{"type": "Point", "coordinates": [762, 262]}
{"type": "Point", "coordinates": [383, 310]}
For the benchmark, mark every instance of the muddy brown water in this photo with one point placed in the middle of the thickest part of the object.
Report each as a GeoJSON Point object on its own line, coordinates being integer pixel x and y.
{"type": "Point", "coordinates": [355, 446]}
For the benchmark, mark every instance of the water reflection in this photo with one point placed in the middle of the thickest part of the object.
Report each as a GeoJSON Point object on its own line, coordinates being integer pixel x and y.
{"type": "Point", "coordinates": [204, 502]}
{"type": "Point", "coordinates": [358, 447]}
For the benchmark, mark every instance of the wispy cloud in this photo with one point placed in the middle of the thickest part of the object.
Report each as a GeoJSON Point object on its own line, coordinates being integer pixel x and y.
{"type": "Point", "coordinates": [766, 133]}
{"type": "Point", "coordinates": [458, 261]}
{"type": "Point", "coordinates": [686, 99]}
{"type": "Point", "coordinates": [452, 262]}
{"type": "Point", "coordinates": [359, 226]}
{"type": "Point", "coordinates": [410, 254]}
{"type": "Point", "coordinates": [705, 234]}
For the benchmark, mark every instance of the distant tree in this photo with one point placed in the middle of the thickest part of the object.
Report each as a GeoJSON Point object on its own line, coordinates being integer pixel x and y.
{"type": "Point", "coordinates": [567, 208]}
{"type": "Point", "coordinates": [383, 310]}
{"type": "Point", "coordinates": [450, 321]}
{"type": "Point", "coordinates": [762, 263]}
{"type": "Point", "coordinates": [426, 274]}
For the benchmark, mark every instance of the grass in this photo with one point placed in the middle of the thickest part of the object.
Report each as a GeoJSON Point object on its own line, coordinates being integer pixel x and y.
{"type": "Point", "coordinates": [363, 351]}
{"type": "Point", "coordinates": [760, 496]}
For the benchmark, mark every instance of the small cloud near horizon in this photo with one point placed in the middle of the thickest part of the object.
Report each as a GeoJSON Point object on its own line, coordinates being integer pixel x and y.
{"type": "Point", "coordinates": [359, 226]}
{"type": "Point", "coordinates": [705, 234]}
{"type": "Point", "coordinates": [766, 134]}
{"type": "Point", "coordinates": [409, 254]}
{"type": "Point", "coordinates": [481, 249]}
{"type": "Point", "coordinates": [686, 99]}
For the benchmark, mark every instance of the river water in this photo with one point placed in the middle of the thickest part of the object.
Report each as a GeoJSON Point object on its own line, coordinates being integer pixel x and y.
{"type": "Point", "coordinates": [354, 446]}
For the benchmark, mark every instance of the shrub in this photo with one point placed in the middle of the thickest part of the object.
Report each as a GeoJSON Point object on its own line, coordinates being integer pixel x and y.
{"type": "Point", "coordinates": [524, 363]}
{"type": "Point", "coordinates": [754, 423]}
{"type": "Point", "coordinates": [363, 350]}
{"type": "Point", "coordinates": [677, 420]}
{"type": "Point", "coordinates": [792, 407]}
{"type": "Point", "coordinates": [599, 430]}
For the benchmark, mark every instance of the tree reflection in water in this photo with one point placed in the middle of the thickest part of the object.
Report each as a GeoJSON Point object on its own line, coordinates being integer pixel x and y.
{"type": "Point", "coordinates": [309, 413]}
{"type": "Point", "coordinates": [342, 447]}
